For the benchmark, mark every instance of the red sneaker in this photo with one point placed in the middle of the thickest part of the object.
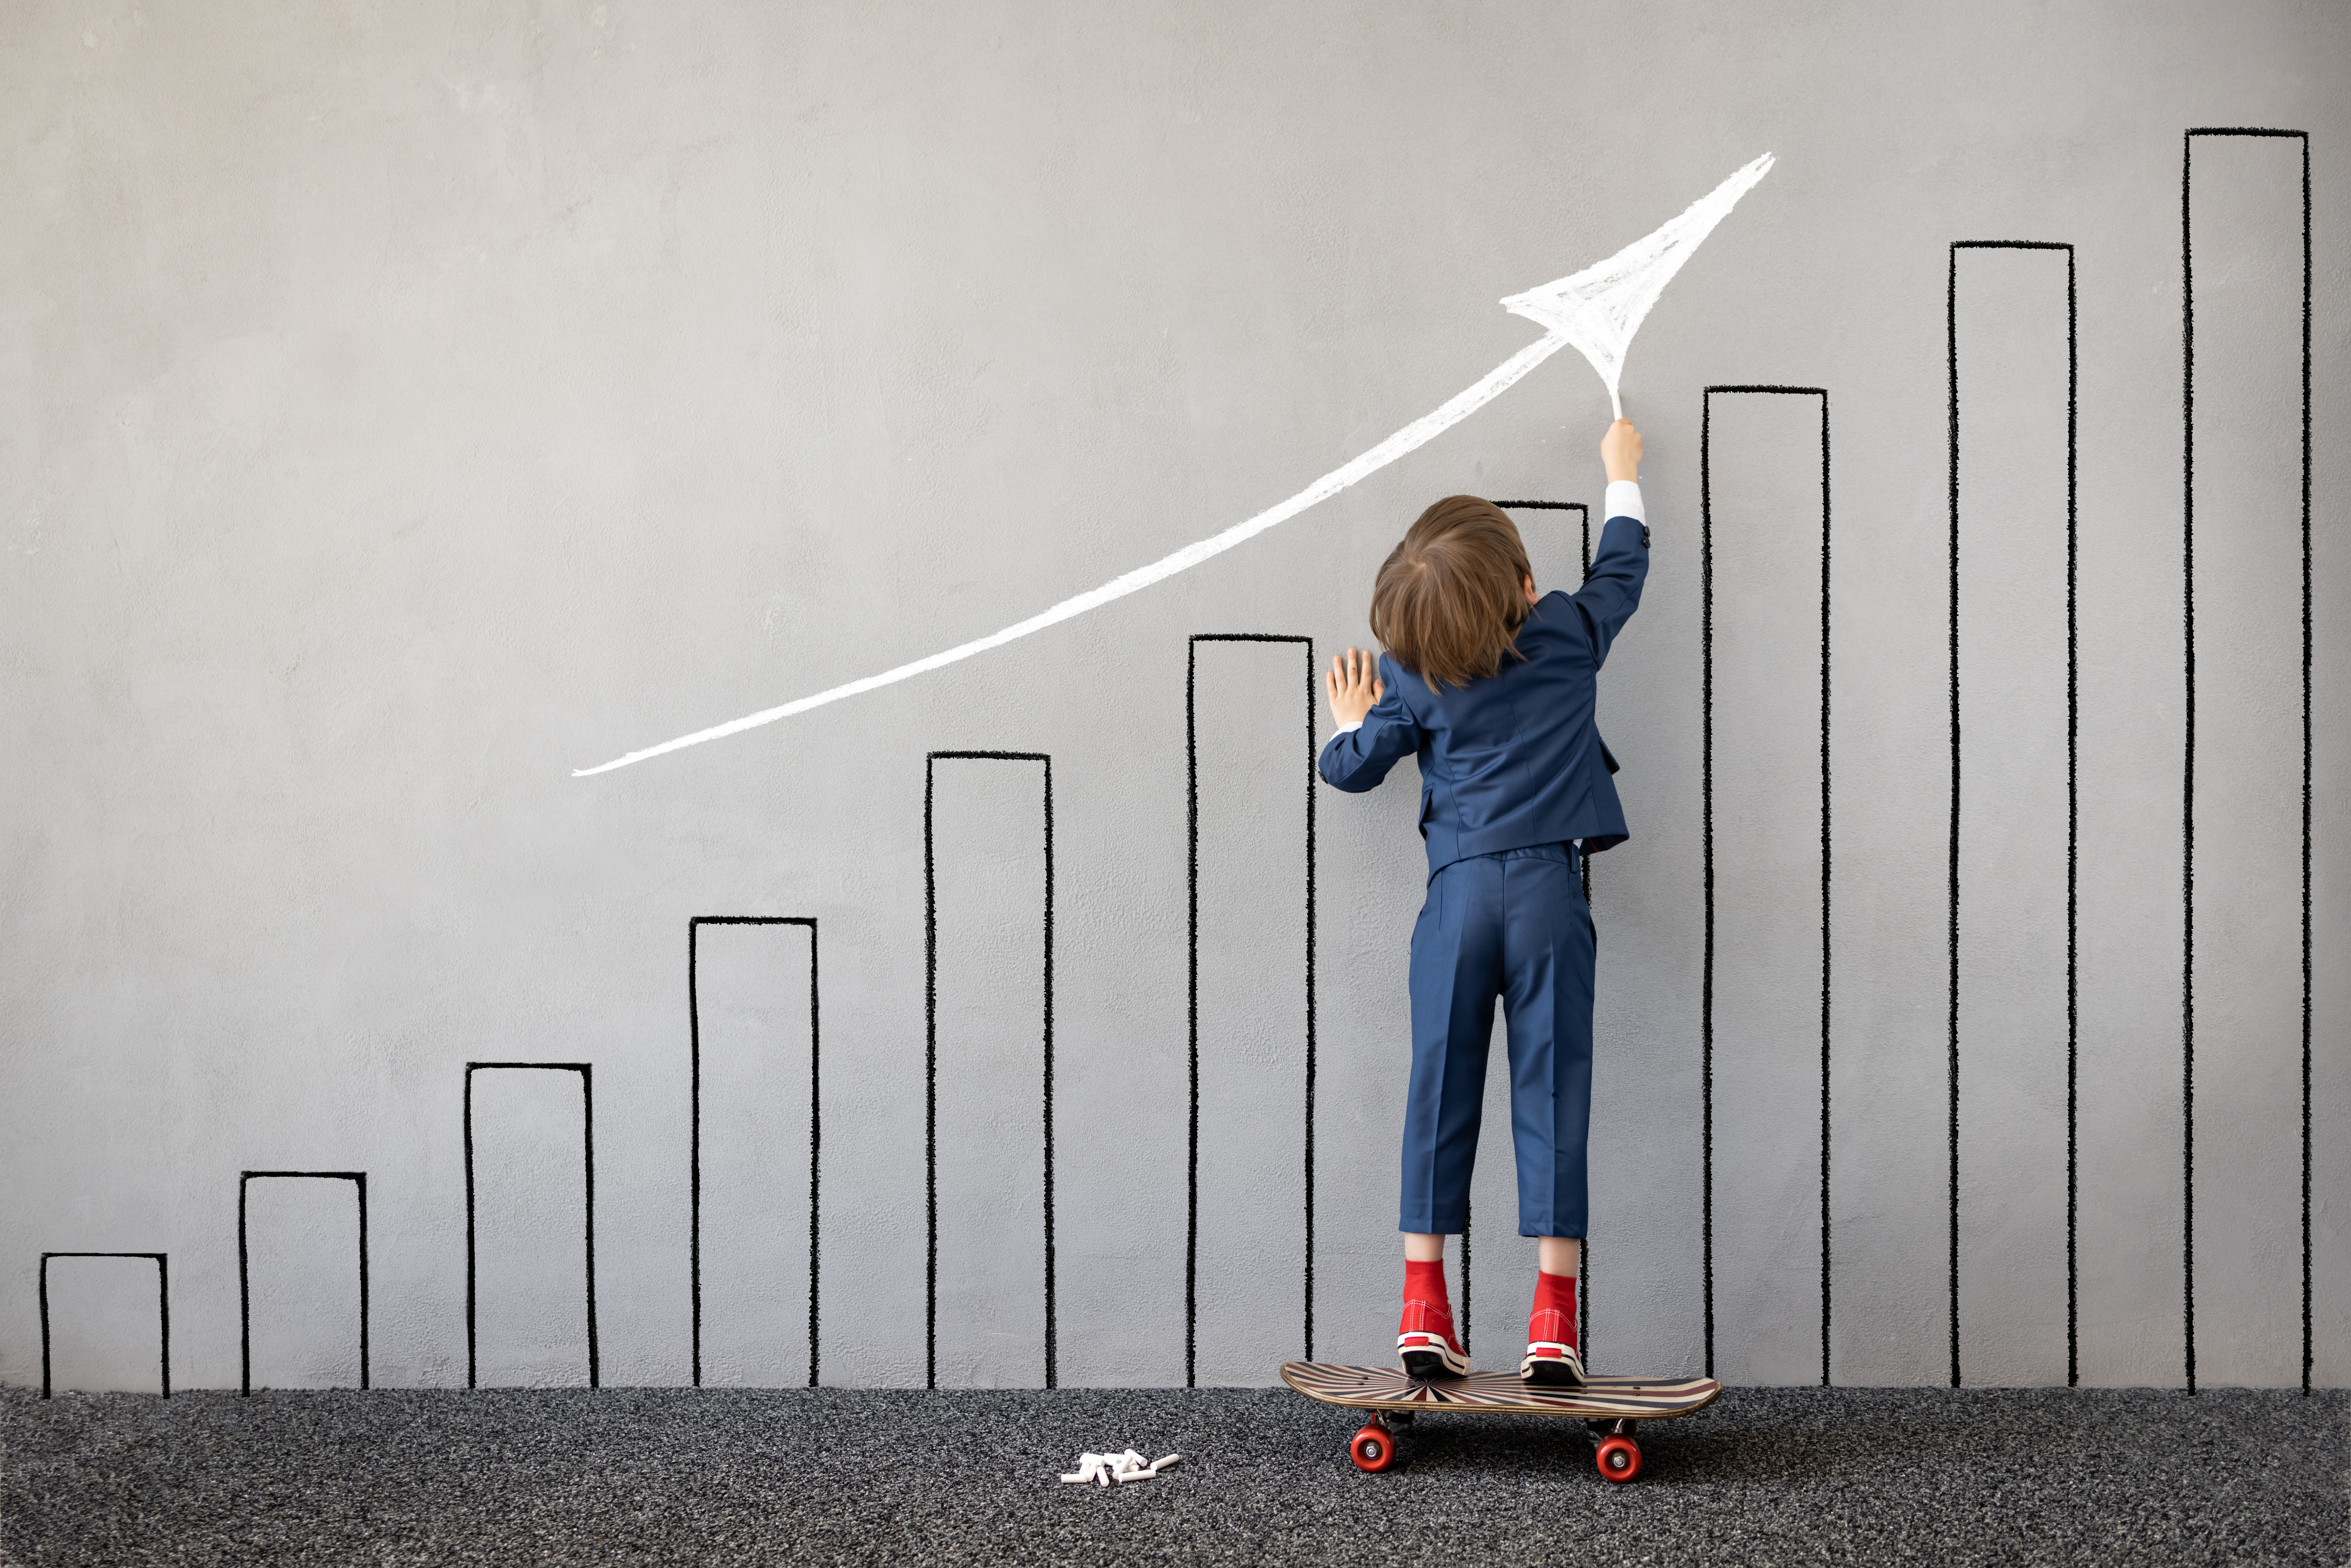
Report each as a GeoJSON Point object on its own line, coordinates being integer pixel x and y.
{"type": "Point", "coordinates": [1426, 1343]}
{"type": "Point", "coordinates": [1551, 1360]}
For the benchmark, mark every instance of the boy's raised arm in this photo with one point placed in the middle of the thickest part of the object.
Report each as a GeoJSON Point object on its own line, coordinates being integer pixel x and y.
{"type": "Point", "coordinates": [1613, 590]}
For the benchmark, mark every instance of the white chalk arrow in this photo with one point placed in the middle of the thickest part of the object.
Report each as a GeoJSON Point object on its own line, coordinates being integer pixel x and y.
{"type": "Point", "coordinates": [1601, 307]}
{"type": "Point", "coordinates": [1597, 310]}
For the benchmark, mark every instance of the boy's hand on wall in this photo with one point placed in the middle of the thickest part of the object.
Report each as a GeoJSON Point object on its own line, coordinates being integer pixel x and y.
{"type": "Point", "coordinates": [1620, 450]}
{"type": "Point", "coordinates": [1354, 685]}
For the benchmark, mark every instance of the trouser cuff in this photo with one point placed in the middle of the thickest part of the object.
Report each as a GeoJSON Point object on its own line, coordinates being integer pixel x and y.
{"type": "Point", "coordinates": [1434, 1221]}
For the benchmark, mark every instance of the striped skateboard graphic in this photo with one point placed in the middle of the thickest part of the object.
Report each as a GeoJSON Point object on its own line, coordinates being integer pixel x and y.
{"type": "Point", "coordinates": [1613, 1407]}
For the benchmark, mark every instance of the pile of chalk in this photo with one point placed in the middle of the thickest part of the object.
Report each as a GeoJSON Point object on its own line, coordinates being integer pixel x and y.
{"type": "Point", "coordinates": [1103, 1469]}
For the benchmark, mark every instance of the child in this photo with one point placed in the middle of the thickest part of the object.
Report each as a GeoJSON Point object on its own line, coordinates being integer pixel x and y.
{"type": "Point", "coordinates": [1493, 690]}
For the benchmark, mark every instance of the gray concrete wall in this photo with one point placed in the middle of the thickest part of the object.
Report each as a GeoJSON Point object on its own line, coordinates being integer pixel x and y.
{"type": "Point", "coordinates": [402, 406]}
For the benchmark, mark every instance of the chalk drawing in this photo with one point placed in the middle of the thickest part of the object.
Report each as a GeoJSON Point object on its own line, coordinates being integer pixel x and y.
{"type": "Point", "coordinates": [1601, 307]}
{"type": "Point", "coordinates": [1705, 839]}
{"type": "Point", "coordinates": [694, 1120]}
{"type": "Point", "coordinates": [1192, 1159]}
{"type": "Point", "coordinates": [1597, 310]}
{"type": "Point", "coordinates": [245, 1270]}
{"type": "Point", "coordinates": [931, 1058]}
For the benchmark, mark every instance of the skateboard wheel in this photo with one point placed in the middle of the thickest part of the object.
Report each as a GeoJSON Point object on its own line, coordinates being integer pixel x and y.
{"type": "Point", "coordinates": [1619, 1459]}
{"type": "Point", "coordinates": [1372, 1448]}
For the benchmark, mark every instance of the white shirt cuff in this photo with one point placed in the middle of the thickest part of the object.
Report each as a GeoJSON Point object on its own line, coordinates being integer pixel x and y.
{"type": "Point", "coordinates": [1623, 501]}
{"type": "Point", "coordinates": [1345, 728]}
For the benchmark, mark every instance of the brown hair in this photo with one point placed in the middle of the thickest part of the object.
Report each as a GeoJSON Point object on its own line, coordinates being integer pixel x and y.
{"type": "Point", "coordinates": [1451, 597]}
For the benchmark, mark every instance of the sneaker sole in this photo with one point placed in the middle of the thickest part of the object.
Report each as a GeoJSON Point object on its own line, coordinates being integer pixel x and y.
{"type": "Point", "coordinates": [1551, 1371]}
{"type": "Point", "coordinates": [1426, 1356]}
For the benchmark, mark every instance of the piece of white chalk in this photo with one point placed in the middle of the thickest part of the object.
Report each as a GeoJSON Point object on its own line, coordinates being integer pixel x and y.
{"type": "Point", "coordinates": [1129, 1466]}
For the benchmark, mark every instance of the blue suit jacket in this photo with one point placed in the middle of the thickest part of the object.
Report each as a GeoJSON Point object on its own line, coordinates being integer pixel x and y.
{"type": "Point", "coordinates": [1513, 758]}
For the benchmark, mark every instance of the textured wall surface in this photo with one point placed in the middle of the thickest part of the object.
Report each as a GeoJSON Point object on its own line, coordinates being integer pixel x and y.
{"type": "Point", "coordinates": [401, 406]}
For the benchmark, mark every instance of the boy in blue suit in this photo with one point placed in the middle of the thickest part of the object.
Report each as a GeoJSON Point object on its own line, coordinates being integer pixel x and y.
{"type": "Point", "coordinates": [1493, 689]}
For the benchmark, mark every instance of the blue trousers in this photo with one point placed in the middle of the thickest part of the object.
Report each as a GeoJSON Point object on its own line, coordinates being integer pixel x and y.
{"type": "Point", "coordinates": [1512, 925]}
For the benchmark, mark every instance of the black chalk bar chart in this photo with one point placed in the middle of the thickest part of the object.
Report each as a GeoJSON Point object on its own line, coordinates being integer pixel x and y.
{"type": "Point", "coordinates": [2004, 1285]}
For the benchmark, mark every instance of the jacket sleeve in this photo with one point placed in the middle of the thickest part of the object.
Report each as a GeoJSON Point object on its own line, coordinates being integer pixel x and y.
{"type": "Point", "coordinates": [1613, 590]}
{"type": "Point", "coordinates": [1360, 758]}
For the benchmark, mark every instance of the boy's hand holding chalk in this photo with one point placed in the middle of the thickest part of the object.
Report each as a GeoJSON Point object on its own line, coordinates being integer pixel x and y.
{"type": "Point", "coordinates": [1620, 452]}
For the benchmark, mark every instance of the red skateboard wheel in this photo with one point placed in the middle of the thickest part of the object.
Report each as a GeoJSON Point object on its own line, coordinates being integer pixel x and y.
{"type": "Point", "coordinates": [1619, 1459]}
{"type": "Point", "coordinates": [1373, 1449]}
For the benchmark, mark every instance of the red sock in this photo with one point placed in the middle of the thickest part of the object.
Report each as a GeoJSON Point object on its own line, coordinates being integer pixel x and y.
{"type": "Point", "coordinates": [1556, 1294]}
{"type": "Point", "coordinates": [1425, 1283]}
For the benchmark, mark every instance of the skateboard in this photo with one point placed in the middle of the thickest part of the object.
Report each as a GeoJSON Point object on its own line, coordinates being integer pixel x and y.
{"type": "Point", "coordinates": [1611, 1407]}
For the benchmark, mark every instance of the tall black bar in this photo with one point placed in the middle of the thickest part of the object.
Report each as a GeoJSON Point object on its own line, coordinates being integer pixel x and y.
{"type": "Point", "coordinates": [1192, 970]}
{"type": "Point", "coordinates": [931, 1061]}
{"type": "Point", "coordinates": [2073, 795]}
{"type": "Point", "coordinates": [2187, 760]}
{"type": "Point", "coordinates": [1705, 994]}
{"type": "Point", "coordinates": [1583, 1269]}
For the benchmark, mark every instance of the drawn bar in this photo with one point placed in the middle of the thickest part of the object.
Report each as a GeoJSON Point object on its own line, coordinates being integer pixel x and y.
{"type": "Point", "coordinates": [1706, 995]}
{"type": "Point", "coordinates": [587, 1072]}
{"type": "Point", "coordinates": [1192, 862]}
{"type": "Point", "coordinates": [1584, 1270]}
{"type": "Point", "coordinates": [816, 1117]}
{"type": "Point", "coordinates": [2187, 750]}
{"type": "Point", "coordinates": [162, 1310]}
{"type": "Point", "coordinates": [244, 1276]}
{"type": "Point", "coordinates": [2072, 796]}
{"type": "Point", "coordinates": [931, 1059]}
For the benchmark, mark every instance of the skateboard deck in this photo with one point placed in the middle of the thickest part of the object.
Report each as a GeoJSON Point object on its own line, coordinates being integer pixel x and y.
{"type": "Point", "coordinates": [1613, 1407]}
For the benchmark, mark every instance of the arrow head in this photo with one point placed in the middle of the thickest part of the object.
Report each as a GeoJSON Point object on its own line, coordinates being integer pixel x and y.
{"type": "Point", "coordinates": [1600, 308]}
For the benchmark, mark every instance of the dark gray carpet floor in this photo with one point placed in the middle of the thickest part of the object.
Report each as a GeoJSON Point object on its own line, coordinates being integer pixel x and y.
{"type": "Point", "coordinates": [1766, 1475]}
